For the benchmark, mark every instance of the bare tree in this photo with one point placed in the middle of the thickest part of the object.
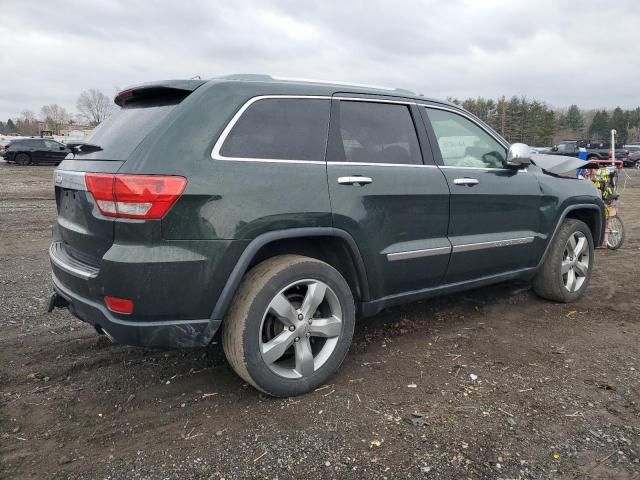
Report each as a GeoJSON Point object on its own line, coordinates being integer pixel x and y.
{"type": "Point", "coordinates": [55, 116]}
{"type": "Point", "coordinates": [94, 106]}
{"type": "Point", "coordinates": [27, 124]}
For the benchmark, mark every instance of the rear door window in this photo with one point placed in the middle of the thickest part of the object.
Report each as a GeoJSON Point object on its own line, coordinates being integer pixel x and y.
{"type": "Point", "coordinates": [374, 132]}
{"type": "Point", "coordinates": [280, 129]}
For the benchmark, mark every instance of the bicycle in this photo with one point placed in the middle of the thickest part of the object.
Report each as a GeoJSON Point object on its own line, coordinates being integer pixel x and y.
{"type": "Point", "coordinates": [605, 178]}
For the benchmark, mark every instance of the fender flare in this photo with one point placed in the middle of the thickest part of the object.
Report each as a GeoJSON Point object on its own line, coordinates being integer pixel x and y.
{"type": "Point", "coordinates": [242, 265]}
{"type": "Point", "coordinates": [565, 212]}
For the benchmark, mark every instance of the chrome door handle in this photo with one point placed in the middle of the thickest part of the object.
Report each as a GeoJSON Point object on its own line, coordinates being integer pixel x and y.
{"type": "Point", "coordinates": [468, 182]}
{"type": "Point", "coordinates": [354, 180]}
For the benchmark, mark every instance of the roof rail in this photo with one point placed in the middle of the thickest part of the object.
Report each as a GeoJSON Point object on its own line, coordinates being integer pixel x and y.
{"type": "Point", "coordinates": [256, 77]}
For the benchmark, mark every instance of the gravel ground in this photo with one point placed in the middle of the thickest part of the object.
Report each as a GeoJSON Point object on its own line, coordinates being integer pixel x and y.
{"type": "Point", "coordinates": [493, 383]}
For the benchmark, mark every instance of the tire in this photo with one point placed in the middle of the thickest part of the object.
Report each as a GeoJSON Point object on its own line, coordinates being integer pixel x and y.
{"type": "Point", "coordinates": [283, 368]}
{"type": "Point", "coordinates": [614, 242]}
{"type": "Point", "coordinates": [22, 159]}
{"type": "Point", "coordinates": [550, 282]}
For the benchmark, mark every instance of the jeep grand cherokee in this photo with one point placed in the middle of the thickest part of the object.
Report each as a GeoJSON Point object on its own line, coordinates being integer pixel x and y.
{"type": "Point", "coordinates": [279, 211]}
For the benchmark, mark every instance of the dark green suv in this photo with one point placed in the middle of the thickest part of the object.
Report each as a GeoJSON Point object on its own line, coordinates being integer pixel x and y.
{"type": "Point", "coordinates": [279, 211]}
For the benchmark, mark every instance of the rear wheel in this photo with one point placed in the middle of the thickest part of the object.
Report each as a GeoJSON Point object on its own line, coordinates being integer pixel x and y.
{"type": "Point", "coordinates": [615, 233]}
{"type": "Point", "coordinates": [566, 271]}
{"type": "Point", "coordinates": [23, 159]}
{"type": "Point", "coordinates": [290, 325]}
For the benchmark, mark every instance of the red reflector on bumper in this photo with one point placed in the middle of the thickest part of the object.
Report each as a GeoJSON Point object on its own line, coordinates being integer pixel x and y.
{"type": "Point", "coordinates": [119, 305]}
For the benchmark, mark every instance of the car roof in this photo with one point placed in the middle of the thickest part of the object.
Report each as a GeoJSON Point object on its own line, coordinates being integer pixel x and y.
{"type": "Point", "coordinates": [266, 84]}
{"type": "Point", "coordinates": [332, 86]}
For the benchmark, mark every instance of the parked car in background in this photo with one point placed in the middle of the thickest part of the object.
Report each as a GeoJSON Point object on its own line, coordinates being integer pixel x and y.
{"type": "Point", "coordinates": [595, 151]}
{"type": "Point", "coordinates": [540, 149]}
{"type": "Point", "coordinates": [633, 157]}
{"type": "Point", "coordinates": [27, 151]}
{"type": "Point", "coordinates": [278, 211]}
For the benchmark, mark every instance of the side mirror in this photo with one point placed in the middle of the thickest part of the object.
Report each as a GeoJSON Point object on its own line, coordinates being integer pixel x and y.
{"type": "Point", "coordinates": [519, 155]}
{"type": "Point", "coordinates": [554, 148]}
{"type": "Point", "coordinates": [62, 147]}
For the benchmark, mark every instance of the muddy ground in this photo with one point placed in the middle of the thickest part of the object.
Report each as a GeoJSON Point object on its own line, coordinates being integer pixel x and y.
{"type": "Point", "coordinates": [493, 383]}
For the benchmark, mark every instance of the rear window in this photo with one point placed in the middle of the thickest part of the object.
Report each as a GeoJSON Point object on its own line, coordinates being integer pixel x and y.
{"type": "Point", "coordinates": [122, 132]}
{"type": "Point", "coordinates": [280, 129]}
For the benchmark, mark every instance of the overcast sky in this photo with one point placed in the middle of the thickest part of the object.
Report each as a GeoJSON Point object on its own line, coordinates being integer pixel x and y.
{"type": "Point", "coordinates": [558, 51]}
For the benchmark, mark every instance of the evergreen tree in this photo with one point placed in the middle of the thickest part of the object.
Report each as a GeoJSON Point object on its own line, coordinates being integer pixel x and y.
{"type": "Point", "coordinates": [574, 120]}
{"type": "Point", "coordinates": [619, 123]}
{"type": "Point", "coordinates": [10, 127]}
{"type": "Point", "coordinates": [599, 128]}
{"type": "Point", "coordinates": [2, 128]}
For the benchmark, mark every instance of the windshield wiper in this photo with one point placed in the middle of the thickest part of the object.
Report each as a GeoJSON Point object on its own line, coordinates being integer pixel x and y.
{"type": "Point", "coordinates": [79, 148]}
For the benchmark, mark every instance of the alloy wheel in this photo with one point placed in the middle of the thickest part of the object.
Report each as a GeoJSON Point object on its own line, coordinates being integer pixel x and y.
{"type": "Point", "coordinates": [300, 329]}
{"type": "Point", "coordinates": [575, 262]}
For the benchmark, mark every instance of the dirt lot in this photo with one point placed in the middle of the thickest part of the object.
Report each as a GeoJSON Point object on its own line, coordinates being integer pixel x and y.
{"type": "Point", "coordinates": [493, 383]}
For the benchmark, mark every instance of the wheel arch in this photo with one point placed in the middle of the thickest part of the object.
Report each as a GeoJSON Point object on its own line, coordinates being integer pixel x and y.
{"type": "Point", "coordinates": [334, 246]}
{"type": "Point", "coordinates": [591, 214]}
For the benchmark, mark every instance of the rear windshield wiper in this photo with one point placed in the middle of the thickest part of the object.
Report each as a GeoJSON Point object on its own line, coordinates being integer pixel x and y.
{"type": "Point", "coordinates": [78, 148]}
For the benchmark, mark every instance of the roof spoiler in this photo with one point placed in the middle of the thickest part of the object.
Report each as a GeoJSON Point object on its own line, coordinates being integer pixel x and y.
{"type": "Point", "coordinates": [169, 88]}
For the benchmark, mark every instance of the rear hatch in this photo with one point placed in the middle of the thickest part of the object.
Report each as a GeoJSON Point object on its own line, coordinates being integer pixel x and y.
{"type": "Point", "coordinates": [82, 233]}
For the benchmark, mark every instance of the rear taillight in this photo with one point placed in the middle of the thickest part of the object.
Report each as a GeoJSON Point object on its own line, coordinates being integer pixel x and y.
{"type": "Point", "coordinates": [147, 197]}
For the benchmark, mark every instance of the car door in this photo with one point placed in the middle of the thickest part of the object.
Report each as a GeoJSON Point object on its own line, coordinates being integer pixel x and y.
{"type": "Point", "coordinates": [40, 151]}
{"type": "Point", "coordinates": [495, 211]}
{"type": "Point", "coordinates": [394, 203]}
{"type": "Point", "coordinates": [55, 151]}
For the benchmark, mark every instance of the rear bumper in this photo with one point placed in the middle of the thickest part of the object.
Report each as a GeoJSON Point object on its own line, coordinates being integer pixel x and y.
{"type": "Point", "coordinates": [165, 333]}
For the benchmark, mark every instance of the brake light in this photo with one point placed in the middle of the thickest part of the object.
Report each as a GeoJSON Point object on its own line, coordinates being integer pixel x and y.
{"type": "Point", "coordinates": [146, 197]}
{"type": "Point", "coordinates": [119, 305]}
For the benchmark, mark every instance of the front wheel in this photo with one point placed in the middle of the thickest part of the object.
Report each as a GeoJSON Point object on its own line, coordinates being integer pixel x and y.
{"type": "Point", "coordinates": [615, 232]}
{"type": "Point", "coordinates": [566, 270]}
{"type": "Point", "coordinates": [290, 325]}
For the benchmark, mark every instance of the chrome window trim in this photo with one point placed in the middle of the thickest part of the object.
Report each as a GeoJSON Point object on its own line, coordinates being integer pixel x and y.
{"type": "Point", "coordinates": [373, 164]}
{"type": "Point", "coordinates": [469, 247]}
{"type": "Point", "coordinates": [427, 252]}
{"type": "Point", "coordinates": [215, 153]}
{"type": "Point", "coordinates": [483, 169]}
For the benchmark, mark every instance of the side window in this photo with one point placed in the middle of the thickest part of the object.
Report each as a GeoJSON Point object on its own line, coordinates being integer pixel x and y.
{"type": "Point", "coordinates": [373, 132]}
{"type": "Point", "coordinates": [280, 129]}
{"type": "Point", "coordinates": [463, 143]}
{"type": "Point", "coordinates": [52, 145]}
{"type": "Point", "coordinates": [566, 147]}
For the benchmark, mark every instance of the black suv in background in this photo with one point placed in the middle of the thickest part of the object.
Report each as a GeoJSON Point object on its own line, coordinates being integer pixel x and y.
{"type": "Point", "coordinates": [278, 211]}
{"type": "Point", "coordinates": [27, 151]}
